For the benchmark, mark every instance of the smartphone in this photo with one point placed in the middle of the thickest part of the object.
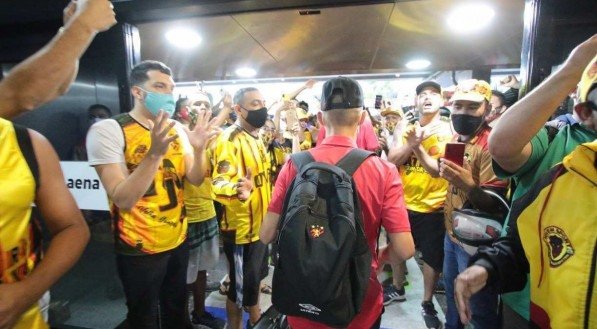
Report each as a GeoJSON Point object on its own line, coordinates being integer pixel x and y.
{"type": "Point", "coordinates": [455, 153]}
{"type": "Point", "coordinates": [291, 119]}
{"type": "Point", "coordinates": [378, 102]}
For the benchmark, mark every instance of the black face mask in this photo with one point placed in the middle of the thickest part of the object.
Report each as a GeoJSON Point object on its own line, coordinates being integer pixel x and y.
{"type": "Point", "coordinates": [465, 124]}
{"type": "Point", "coordinates": [256, 118]}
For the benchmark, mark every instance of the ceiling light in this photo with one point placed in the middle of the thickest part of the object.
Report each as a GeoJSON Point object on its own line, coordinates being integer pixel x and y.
{"type": "Point", "coordinates": [246, 72]}
{"type": "Point", "coordinates": [470, 18]}
{"type": "Point", "coordinates": [418, 64]}
{"type": "Point", "coordinates": [183, 38]}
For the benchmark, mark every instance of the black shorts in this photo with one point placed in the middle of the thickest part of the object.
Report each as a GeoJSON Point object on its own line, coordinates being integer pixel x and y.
{"type": "Point", "coordinates": [246, 260]}
{"type": "Point", "coordinates": [428, 231]}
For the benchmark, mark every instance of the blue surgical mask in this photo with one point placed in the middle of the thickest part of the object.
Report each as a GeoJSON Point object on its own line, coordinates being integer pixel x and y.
{"type": "Point", "coordinates": [154, 102]}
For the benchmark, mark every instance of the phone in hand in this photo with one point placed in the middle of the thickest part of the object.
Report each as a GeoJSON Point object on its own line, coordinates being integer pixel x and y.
{"type": "Point", "coordinates": [378, 101]}
{"type": "Point", "coordinates": [455, 153]}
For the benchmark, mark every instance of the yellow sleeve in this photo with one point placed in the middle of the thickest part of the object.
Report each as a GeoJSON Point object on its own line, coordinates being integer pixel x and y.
{"type": "Point", "coordinates": [308, 142]}
{"type": "Point", "coordinates": [225, 173]}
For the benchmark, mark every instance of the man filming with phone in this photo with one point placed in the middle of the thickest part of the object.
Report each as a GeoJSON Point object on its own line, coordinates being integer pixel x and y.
{"type": "Point", "coordinates": [466, 190]}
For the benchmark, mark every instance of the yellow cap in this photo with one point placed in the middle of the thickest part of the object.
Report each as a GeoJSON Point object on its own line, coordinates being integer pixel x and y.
{"type": "Point", "coordinates": [472, 90]}
{"type": "Point", "coordinates": [587, 80]}
{"type": "Point", "coordinates": [301, 114]}
{"type": "Point", "coordinates": [390, 110]}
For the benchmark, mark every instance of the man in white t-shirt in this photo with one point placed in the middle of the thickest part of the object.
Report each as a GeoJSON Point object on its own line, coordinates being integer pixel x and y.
{"type": "Point", "coordinates": [142, 158]}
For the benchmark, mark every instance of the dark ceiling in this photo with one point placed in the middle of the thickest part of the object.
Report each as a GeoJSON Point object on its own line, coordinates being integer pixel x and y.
{"type": "Point", "coordinates": [271, 36]}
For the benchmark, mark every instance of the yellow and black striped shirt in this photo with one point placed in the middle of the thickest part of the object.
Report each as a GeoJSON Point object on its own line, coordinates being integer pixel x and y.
{"type": "Point", "coordinates": [237, 151]}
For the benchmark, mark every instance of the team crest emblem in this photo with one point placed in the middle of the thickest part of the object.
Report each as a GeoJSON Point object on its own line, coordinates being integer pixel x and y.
{"type": "Point", "coordinates": [316, 231]}
{"type": "Point", "coordinates": [559, 246]}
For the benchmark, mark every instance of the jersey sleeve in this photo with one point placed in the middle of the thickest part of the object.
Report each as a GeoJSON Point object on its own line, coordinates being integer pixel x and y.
{"type": "Point", "coordinates": [539, 145]}
{"type": "Point", "coordinates": [225, 173]}
{"type": "Point", "coordinates": [105, 143]}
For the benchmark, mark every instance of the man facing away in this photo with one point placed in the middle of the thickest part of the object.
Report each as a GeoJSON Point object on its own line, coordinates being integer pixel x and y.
{"type": "Point", "coordinates": [241, 183]}
{"type": "Point", "coordinates": [142, 160]}
{"type": "Point", "coordinates": [378, 185]}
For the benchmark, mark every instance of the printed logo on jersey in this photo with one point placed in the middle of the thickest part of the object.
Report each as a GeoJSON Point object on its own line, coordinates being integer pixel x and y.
{"type": "Point", "coordinates": [559, 246]}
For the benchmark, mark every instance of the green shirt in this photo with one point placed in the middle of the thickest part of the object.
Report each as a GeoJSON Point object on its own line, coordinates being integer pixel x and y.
{"type": "Point", "coordinates": [544, 155]}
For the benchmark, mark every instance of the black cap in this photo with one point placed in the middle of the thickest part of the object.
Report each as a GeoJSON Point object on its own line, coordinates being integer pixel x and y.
{"type": "Point", "coordinates": [426, 84]}
{"type": "Point", "coordinates": [341, 93]}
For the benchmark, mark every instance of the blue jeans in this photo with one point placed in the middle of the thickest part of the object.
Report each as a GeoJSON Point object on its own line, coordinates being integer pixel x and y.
{"type": "Point", "coordinates": [484, 304]}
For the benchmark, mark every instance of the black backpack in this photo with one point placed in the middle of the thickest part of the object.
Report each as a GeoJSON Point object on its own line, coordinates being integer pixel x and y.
{"type": "Point", "coordinates": [324, 262]}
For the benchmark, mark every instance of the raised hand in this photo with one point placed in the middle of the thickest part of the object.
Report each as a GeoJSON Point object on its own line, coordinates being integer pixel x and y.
{"type": "Point", "coordinates": [205, 128]}
{"type": "Point", "coordinates": [97, 15]}
{"type": "Point", "coordinates": [159, 127]}
{"type": "Point", "coordinates": [244, 186]}
{"type": "Point", "coordinates": [414, 135]}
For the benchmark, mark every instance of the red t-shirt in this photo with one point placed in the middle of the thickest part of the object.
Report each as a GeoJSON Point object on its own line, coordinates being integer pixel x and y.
{"type": "Point", "coordinates": [366, 137]}
{"type": "Point", "coordinates": [382, 201]}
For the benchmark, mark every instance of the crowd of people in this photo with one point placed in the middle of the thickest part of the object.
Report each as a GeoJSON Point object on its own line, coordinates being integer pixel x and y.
{"type": "Point", "coordinates": [181, 176]}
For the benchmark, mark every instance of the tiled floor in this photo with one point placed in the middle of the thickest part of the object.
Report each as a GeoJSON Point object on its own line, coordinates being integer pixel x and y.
{"type": "Point", "coordinates": [90, 296]}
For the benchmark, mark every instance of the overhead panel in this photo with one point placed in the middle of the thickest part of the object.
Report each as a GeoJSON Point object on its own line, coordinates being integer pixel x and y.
{"type": "Point", "coordinates": [224, 47]}
{"type": "Point", "coordinates": [419, 29]}
{"type": "Point", "coordinates": [339, 39]}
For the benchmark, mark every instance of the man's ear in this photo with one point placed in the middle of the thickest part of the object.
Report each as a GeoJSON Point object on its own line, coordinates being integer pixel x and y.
{"type": "Point", "coordinates": [236, 108]}
{"type": "Point", "coordinates": [137, 92]}
{"type": "Point", "coordinates": [320, 119]}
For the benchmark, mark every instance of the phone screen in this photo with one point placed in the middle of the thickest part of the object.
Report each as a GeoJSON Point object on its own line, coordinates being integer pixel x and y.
{"type": "Point", "coordinates": [377, 101]}
{"type": "Point", "coordinates": [455, 153]}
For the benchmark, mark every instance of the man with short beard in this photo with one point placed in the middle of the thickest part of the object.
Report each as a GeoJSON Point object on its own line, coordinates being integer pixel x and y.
{"type": "Point", "coordinates": [424, 193]}
{"type": "Point", "coordinates": [142, 160]}
{"type": "Point", "coordinates": [241, 182]}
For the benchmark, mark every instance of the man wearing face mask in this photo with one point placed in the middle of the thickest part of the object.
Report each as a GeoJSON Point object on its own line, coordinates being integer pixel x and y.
{"type": "Point", "coordinates": [522, 148]}
{"type": "Point", "coordinates": [466, 186]}
{"type": "Point", "coordinates": [142, 160]}
{"type": "Point", "coordinates": [470, 106]}
{"type": "Point", "coordinates": [241, 182]}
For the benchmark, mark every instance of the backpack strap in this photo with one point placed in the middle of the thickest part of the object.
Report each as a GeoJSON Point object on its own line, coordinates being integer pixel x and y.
{"type": "Point", "coordinates": [24, 141]}
{"type": "Point", "coordinates": [351, 161]}
{"type": "Point", "coordinates": [301, 159]}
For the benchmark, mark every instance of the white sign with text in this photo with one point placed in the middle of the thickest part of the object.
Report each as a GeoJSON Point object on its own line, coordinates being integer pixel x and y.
{"type": "Point", "coordinates": [84, 185]}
